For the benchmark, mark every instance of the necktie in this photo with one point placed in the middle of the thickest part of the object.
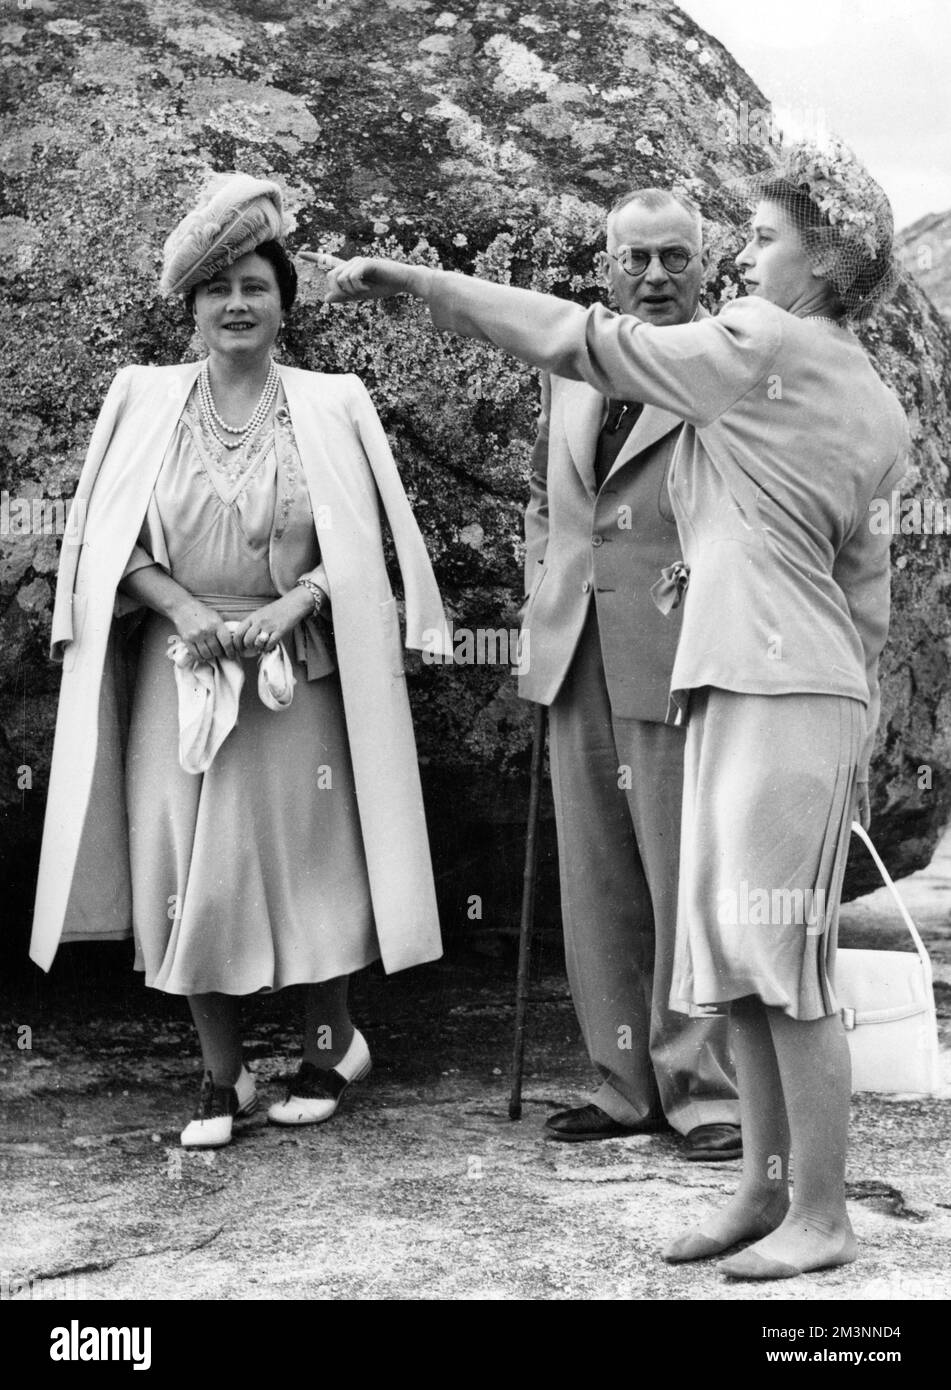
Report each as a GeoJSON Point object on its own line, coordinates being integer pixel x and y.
{"type": "Point", "coordinates": [622, 416]}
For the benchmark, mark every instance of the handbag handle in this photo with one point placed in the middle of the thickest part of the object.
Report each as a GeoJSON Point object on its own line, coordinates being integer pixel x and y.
{"type": "Point", "coordinates": [889, 884]}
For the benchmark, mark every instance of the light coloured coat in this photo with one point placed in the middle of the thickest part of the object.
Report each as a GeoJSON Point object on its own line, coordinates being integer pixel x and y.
{"type": "Point", "coordinates": [84, 890]}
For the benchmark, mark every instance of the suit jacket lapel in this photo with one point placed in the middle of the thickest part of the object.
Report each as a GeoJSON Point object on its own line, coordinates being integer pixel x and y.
{"type": "Point", "coordinates": [651, 425]}
{"type": "Point", "coordinates": [583, 412]}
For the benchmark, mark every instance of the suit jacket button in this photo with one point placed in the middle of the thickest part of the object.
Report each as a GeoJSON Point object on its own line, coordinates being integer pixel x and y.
{"type": "Point", "coordinates": [597, 540]}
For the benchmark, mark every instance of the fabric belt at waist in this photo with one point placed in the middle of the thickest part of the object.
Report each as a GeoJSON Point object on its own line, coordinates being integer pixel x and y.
{"type": "Point", "coordinates": [306, 643]}
{"type": "Point", "coordinates": [234, 607]}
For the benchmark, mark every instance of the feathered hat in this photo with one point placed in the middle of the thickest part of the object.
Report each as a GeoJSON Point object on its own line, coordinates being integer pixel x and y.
{"type": "Point", "coordinates": [228, 222]}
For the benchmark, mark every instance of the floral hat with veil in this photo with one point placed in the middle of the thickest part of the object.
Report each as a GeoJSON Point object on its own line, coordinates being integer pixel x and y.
{"type": "Point", "coordinates": [842, 216]}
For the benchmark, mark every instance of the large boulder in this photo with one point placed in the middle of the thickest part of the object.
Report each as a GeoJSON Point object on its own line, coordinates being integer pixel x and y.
{"type": "Point", "coordinates": [925, 249]}
{"type": "Point", "coordinates": [481, 137]}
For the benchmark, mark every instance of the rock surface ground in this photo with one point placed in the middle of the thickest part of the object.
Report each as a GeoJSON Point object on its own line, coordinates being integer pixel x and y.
{"type": "Point", "coordinates": [421, 1187]}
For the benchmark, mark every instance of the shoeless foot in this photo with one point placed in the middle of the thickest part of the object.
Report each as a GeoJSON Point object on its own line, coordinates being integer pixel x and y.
{"type": "Point", "coordinates": [743, 1218]}
{"type": "Point", "coordinates": [800, 1244]}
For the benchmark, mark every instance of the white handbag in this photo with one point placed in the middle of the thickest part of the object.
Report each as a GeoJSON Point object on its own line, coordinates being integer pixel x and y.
{"type": "Point", "coordinates": [887, 1004]}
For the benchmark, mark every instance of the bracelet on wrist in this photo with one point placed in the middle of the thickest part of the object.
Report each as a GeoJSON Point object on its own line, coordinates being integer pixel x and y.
{"type": "Point", "coordinates": [319, 597]}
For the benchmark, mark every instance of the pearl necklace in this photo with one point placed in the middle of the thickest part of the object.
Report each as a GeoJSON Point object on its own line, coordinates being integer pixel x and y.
{"type": "Point", "coordinates": [242, 432]}
{"type": "Point", "coordinates": [824, 318]}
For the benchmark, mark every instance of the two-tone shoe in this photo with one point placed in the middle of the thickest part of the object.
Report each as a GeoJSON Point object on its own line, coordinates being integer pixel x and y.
{"type": "Point", "coordinates": [218, 1108]}
{"type": "Point", "coordinates": [315, 1092]}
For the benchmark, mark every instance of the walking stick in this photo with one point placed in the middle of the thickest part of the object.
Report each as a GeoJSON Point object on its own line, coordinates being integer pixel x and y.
{"type": "Point", "coordinates": [527, 924]}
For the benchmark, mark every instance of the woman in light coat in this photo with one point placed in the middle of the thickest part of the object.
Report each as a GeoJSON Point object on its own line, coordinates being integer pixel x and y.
{"type": "Point", "coordinates": [250, 811]}
{"type": "Point", "coordinates": [790, 436]}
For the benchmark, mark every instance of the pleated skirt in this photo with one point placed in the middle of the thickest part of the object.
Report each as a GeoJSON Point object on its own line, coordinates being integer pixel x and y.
{"type": "Point", "coordinates": [250, 876]}
{"type": "Point", "coordinates": [768, 793]}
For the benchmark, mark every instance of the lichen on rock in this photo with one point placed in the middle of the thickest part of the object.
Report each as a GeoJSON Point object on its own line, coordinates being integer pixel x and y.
{"type": "Point", "coordinates": [475, 137]}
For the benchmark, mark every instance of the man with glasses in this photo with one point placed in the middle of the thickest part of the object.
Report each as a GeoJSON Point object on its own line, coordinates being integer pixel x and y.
{"type": "Point", "coordinates": [599, 530]}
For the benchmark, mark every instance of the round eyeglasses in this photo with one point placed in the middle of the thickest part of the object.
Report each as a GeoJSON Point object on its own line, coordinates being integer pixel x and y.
{"type": "Point", "coordinates": [674, 259]}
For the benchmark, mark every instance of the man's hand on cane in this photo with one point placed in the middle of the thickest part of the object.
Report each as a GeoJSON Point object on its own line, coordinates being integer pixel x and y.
{"type": "Point", "coordinates": [364, 277]}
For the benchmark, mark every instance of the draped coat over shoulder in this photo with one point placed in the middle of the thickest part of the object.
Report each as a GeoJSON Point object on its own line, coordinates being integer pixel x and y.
{"type": "Point", "coordinates": [84, 890]}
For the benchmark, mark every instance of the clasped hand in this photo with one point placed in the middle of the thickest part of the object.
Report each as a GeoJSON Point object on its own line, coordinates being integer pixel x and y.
{"type": "Point", "coordinates": [208, 637]}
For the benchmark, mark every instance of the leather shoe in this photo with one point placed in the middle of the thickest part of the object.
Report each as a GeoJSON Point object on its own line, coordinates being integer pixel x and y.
{"type": "Point", "coordinates": [748, 1264]}
{"type": "Point", "coordinates": [713, 1143]}
{"type": "Point", "coordinates": [218, 1108]}
{"type": "Point", "coordinates": [591, 1122]}
{"type": "Point", "coordinates": [315, 1092]}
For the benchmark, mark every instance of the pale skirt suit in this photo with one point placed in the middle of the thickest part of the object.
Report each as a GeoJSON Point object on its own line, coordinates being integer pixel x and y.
{"type": "Point", "coordinates": [790, 435]}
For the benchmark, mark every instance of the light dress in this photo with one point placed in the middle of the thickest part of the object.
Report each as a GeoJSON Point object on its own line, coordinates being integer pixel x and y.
{"type": "Point", "coordinates": [250, 876]}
